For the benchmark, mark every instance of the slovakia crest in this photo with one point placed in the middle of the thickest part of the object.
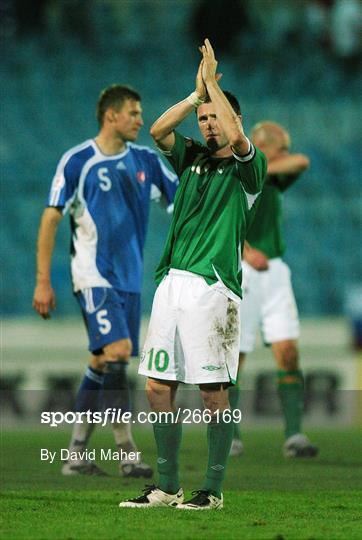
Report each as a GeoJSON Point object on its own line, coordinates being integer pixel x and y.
{"type": "Point", "coordinates": [141, 176]}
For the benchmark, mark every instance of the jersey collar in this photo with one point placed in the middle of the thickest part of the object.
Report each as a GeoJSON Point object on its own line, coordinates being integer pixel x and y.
{"type": "Point", "coordinates": [108, 156]}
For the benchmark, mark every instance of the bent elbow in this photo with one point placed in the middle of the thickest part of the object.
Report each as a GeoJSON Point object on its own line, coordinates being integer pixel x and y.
{"type": "Point", "coordinates": [155, 133]}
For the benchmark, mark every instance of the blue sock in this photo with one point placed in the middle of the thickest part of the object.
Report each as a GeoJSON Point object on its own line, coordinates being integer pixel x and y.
{"type": "Point", "coordinates": [88, 396]}
{"type": "Point", "coordinates": [115, 387]}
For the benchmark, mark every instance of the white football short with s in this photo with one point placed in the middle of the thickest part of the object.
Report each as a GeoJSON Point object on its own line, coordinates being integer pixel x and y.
{"type": "Point", "coordinates": [268, 305]}
{"type": "Point", "coordinates": [193, 334]}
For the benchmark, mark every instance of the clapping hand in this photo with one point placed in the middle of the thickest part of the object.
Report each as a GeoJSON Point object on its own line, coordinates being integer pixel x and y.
{"type": "Point", "coordinates": [208, 63]}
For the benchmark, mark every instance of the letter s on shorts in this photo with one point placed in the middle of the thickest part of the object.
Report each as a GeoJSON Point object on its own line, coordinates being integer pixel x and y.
{"type": "Point", "coordinates": [103, 323]}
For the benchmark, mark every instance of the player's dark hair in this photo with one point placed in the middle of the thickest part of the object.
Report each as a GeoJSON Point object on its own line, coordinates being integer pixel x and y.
{"type": "Point", "coordinates": [114, 96]}
{"type": "Point", "coordinates": [231, 99]}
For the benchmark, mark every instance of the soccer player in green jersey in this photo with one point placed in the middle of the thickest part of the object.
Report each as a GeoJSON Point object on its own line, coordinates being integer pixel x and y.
{"type": "Point", "coordinates": [268, 301]}
{"type": "Point", "coordinates": [193, 335]}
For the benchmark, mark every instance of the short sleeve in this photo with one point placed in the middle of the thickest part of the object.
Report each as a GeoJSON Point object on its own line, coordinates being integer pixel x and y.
{"type": "Point", "coordinates": [65, 183]}
{"type": "Point", "coordinates": [252, 170]}
{"type": "Point", "coordinates": [164, 181]}
{"type": "Point", "coordinates": [182, 153]}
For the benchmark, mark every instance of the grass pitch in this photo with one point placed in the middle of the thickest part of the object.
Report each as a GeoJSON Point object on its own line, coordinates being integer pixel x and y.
{"type": "Point", "coordinates": [266, 496]}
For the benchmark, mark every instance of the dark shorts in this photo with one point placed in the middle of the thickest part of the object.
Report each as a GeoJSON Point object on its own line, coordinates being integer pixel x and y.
{"type": "Point", "coordinates": [110, 315]}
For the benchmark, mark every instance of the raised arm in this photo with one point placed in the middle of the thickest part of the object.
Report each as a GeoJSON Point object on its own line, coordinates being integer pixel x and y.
{"type": "Point", "coordinates": [227, 117]}
{"type": "Point", "coordinates": [288, 164]}
{"type": "Point", "coordinates": [44, 297]}
{"type": "Point", "coordinates": [162, 129]}
{"type": "Point", "coordinates": [286, 168]}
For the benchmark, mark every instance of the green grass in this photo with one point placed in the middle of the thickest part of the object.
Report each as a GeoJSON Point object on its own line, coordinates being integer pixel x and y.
{"type": "Point", "coordinates": [266, 496]}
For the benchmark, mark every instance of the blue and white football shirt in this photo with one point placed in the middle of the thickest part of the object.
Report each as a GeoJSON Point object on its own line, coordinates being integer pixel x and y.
{"type": "Point", "coordinates": [108, 198]}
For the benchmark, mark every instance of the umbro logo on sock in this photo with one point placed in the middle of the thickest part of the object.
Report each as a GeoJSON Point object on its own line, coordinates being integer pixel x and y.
{"type": "Point", "coordinates": [161, 460]}
{"type": "Point", "coordinates": [218, 467]}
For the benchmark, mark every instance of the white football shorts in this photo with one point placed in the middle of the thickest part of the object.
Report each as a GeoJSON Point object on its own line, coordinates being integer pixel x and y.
{"type": "Point", "coordinates": [193, 334]}
{"type": "Point", "coordinates": [268, 304]}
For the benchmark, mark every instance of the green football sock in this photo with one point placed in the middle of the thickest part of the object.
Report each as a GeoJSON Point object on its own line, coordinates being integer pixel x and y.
{"type": "Point", "coordinates": [219, 438]}
{"type": "Point", "coordinates": [168, 439]}
{"type": "Point", "coordinates": [234, 398]}
{"type": "Point", "coordinates": [290, 390]}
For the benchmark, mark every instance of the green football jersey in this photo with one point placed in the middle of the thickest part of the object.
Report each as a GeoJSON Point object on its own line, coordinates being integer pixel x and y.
{"type": "Point", "coordinates": [265, 232]}
{"type": "Point", "coordinates": [211, 211]}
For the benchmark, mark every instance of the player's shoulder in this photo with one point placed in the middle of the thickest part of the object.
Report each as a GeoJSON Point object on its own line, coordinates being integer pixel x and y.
{"type": "Point", "coordinates": [142, 150]}
{"type": "Point", "coordinates": [78, 155]}
{"type": "Point", "coordinates": [81, 149]}
{"type": "Point", "coordinates": [147, 155]}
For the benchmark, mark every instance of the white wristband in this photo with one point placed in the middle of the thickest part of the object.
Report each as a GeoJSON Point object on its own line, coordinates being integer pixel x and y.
{"type": "Point", "coordinates": [195, 100]}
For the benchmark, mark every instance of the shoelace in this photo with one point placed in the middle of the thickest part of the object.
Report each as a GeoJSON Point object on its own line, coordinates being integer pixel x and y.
{"type": "Point", "coordinates": [146, 491]}
{"type": "Point", "coordinates": [200, 496]}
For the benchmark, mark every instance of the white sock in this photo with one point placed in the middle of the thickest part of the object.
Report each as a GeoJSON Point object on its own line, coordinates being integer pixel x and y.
{"type": "Point", "coordinates": [124, 440]}
{"type": "Point", "coordinates": [80, 437]}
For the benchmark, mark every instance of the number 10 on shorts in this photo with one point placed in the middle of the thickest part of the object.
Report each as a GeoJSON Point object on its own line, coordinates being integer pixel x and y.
{"type": "Point", "coordinates": [158, 360]}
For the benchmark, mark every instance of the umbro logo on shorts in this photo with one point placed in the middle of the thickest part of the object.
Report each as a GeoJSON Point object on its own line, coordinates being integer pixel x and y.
{"type": "Point", "coordinates": [211, 368]}
{"type": "Point", "coordinates": [161, 460]}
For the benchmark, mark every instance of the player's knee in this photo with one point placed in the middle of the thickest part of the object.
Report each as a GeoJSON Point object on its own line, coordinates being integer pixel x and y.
{"type": "Point", "coordinates": [213, 404]}
{"type": "Point", "coordinates": [118, 352]}
{"type": "Point", "coordinates": [158, 394]}
{"type": "Point", "coordinates": [98, 362]}
{"type": "Point", "coordinates": [155, 389]}
{"type": "Point", "coordinates": [215, 397]}
{"type": "Point", "coordinates": [289, 358]}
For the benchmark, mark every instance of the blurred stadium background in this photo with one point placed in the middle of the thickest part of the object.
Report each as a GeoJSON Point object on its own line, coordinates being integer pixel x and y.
{"type": "Point", "coordinates": [294, 61]}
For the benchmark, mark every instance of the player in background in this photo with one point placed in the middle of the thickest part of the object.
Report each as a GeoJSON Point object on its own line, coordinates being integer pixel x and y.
{"type": "Point", "coordinates": [193, 336]}
{"type": "Point", "coordinates": [106, 184]}
{"type": "Point", "coordinates": [268, 302]}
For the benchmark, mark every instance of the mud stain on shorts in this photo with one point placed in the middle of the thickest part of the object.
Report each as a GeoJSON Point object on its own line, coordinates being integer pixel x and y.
{"type": "Point", "coordinates": [226, 333]}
